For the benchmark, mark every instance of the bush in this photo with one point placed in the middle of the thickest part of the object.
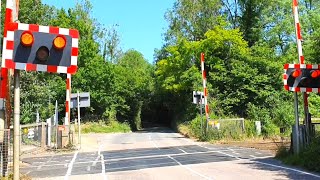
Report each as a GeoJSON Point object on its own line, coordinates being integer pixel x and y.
{"type": "Point", "coordinates": [250, 128]}
{"type": "Point", "coordinates": [102, 127]}
{"type": "Point", "coordinates": [264, 115]}
{"type": "Point", "coordinates": [228, 130]}
{"type": "Point", "coordinates": [308, 158]}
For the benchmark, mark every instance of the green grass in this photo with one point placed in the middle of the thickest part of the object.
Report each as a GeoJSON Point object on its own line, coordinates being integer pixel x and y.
{"type": "Point", "coordinates": [228, 130]}
{"type": "Point", "coordinates": [308, 158]}
{"type": "Point", "coordinates": [102, 127]}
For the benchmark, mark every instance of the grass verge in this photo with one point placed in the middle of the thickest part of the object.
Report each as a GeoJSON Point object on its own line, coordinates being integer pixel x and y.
{"type": "Point", "coordinates": [309, 158]}
{"type": "Point", "coordinates": [103, 127]}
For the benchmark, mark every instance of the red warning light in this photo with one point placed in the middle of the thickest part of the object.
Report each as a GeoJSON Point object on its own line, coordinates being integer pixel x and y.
{"type": "Point", "coordinates": [315, 73]}
{"type": "Point", "coordinates": [296, 73]}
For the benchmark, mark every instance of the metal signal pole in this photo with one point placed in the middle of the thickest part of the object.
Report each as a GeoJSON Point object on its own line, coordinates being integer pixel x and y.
{"type": "Point", "coordinates": [301, 61]}
{"type": "Point", "coordinates": [16, 117]}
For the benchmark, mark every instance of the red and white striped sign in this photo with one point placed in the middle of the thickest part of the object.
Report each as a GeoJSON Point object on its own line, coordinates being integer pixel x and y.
{"type": "Point", "coordinates": [8, 45]}
{"type": "Point", "coordinates": [299, 66]}
{"type": "Point", "coordinates": [68, 96]}
{"type": "Point", "coordinates": [4, 71]}
{"type": "Point", "coordinates": [205, 90]}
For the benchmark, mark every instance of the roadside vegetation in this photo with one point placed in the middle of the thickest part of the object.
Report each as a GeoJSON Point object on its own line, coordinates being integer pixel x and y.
{"type": "Point", "coordinates": [308, 158]}
{"type": "Point", "coordinates": [103, 127]}
{"type": "Point", "coordinates": [246, 44]}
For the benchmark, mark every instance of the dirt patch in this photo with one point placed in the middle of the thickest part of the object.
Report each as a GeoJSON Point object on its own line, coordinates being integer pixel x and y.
{"type": "Point", "coordinates": [271, 144]}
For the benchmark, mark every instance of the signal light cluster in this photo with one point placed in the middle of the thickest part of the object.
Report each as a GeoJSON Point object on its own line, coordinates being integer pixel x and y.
{"type": "Point", "coordinates": [302, 77]}
{"type": "Point", "coordinates": [43, 52]}
{"type": "Point", "coordinates": [34, 47]}
{"type": "Point", "coordinates": [27, 39]}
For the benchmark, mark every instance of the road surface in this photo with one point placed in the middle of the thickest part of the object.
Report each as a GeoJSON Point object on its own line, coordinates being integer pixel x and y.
{"type": "Point", "coordinates": [158, 153]}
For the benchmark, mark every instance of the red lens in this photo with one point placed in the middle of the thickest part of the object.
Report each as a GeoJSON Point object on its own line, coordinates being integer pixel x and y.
{"type": "Point", "coordinates": [296, 73]}
{"type": "Point", "coordinates": [315, 74]}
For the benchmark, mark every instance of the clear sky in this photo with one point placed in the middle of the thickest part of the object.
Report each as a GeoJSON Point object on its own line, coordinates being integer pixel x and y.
{"type": "Point", "coordinates": [141, 22]}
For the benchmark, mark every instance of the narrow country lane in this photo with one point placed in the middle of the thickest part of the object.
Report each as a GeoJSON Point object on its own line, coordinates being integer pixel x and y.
{"type": "Point", "coordinates": [158, 153]}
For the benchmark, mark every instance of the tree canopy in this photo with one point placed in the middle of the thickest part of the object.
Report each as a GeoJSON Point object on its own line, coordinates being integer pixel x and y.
{"type": "Point", "coordinates": [246, 43]}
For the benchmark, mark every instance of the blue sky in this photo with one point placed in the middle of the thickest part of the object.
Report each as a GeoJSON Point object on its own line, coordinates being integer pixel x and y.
{"type": "Point", "coordinates": [141, 22]}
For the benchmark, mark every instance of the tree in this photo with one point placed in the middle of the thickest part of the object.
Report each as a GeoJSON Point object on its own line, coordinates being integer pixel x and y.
{"type": "Point", "coordinates": [191, 19]}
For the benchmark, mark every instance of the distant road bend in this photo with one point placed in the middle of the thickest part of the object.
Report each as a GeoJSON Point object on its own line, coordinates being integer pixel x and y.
{"type": "Point", "coordinates": [158, 153]}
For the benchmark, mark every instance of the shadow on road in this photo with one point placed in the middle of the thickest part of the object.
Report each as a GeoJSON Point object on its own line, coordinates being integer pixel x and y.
{"type": "Point", "coordinates": [270, 164]}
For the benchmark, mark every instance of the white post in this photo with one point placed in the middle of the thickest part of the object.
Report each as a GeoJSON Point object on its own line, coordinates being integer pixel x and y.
{"type": "Point", "coordinates": [49, 131]}
{"type": "Point", "coordinates": [55, 123]}
{"type": "Point", "coordinates": [38, 117]}
{"type": "Point", "coordinates": [79, 124]}
{"type": "Point", "coordinates": [16, 126]}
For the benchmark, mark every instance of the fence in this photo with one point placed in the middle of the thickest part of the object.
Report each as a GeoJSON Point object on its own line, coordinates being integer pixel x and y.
{"type": "Point", "coordinates": [33, 134]}
{"type": "Point", "coordinates": [228, 128]}
{"type": "Point", "coordinates": [6, 153]}
{"type": "Point", "coordinates": [231, 123]}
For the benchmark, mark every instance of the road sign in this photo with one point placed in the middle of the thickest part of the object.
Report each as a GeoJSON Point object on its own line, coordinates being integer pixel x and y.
{"type": "Point", "coordinates": [84, 100]}
{"type": "Point", "coordinates": [198, 97]}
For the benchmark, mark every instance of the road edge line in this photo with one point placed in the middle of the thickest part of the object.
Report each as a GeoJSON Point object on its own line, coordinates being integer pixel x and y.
{"type": "Point", "coordinates": [103, 167]}
{"type": "Point", "coordinates": [66, 177]}
{"type": "Point", "coordinates": [288, 168]}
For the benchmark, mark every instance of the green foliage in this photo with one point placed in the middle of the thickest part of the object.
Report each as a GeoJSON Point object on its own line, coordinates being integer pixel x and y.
{"type": "Point", "coordinates": [228, 130]}
{"type": "Point", "coordinates": [102, 127]}
{"type": "Point", "coordinates": [308, 158]}
{"type": "Point", "coordinates": [245, 43]}
{"type": "Point", "coordinates": [118, 91]}
{"type": "Point", "coordinates": [250, 128]}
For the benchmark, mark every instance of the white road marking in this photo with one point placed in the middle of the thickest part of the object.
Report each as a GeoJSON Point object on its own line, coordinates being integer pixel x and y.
{"type": "Point", "coordinates": [229, 155]}
{"type": "Point", "coordinates": [253, 156]}
{"type": "Point", "coordinates": [154, 156]}
{"type": "Point", "coordinates": [182, 150]}
{"type": "Point", "coordinates": [93, 163]}
{"type": "Point", "coordinates": [188, 168]}
{"type": "Point", "coordinates": [163, 155]}
{"type": "Point", "coordinates": [39, 167]}
{"type": "Point", "coordinates": [66, 177]}
{"type": "Point", "coordinates": [291, 169]}
{"type": "Point", "coordinates": [103, 171]}
{"type": "Point", "coordinates": [99, 150]}
{"type": "Point", "coordinates": [154, 144]}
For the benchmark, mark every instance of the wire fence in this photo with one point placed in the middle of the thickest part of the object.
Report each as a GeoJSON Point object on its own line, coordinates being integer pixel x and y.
{"type": "Point", "coordinates": [6, 153]}
{"type": "Point", "coordinates": [33, 134]}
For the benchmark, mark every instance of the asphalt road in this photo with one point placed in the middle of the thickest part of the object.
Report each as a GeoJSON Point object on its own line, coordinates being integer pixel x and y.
{"type": "Point", "coordinates": [158, 154]}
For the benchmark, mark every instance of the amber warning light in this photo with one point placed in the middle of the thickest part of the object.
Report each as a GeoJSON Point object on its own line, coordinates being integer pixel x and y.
{"type": "Point", "coordinates": [59, 42]}
{"type": "Point", "coordinates": [26, 38]}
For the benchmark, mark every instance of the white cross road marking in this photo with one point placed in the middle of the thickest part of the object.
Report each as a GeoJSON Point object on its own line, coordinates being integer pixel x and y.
{"type": "Point", "coordinates": [188, 168]}
{"type": "Point", "coordinates": [66, 177]}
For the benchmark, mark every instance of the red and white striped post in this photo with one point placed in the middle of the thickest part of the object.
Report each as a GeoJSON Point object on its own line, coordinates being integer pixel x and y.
{"type": "Point", "coordinates": [68, 96]}
{"type": "Point", "coordinates": [11, 15]}
{"type": "Point", "coordinates": [205, 90]}
{"type": "Point", "coordinates": [301, 61]}
{"type": "Point", "coordinates": [298, 30]}
{"type": "Point", "coordinates": [4, 71]}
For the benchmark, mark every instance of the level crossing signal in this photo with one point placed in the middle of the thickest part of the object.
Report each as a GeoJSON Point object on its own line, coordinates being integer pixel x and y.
{"type": "Point", "coordinates": [33, 47]}
{"type": "Point", "coordinates": [302, 77]}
